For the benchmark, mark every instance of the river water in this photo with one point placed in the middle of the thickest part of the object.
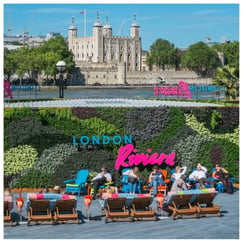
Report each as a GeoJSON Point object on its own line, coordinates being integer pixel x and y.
{"type": "Point", "coordinates": [111, 93]}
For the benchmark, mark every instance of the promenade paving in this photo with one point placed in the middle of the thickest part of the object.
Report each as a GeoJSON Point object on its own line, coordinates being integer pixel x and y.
{"type": "Point", "coordinates": [211, 227]}
{"type": "Point", "coordinates": [118, 102]}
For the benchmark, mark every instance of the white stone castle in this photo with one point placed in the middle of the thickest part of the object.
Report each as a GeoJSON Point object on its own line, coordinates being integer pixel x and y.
{"type": "Point", "coordinates": [105, 59]}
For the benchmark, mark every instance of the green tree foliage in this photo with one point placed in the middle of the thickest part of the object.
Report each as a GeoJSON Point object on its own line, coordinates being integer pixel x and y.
{"type": "Point", "coordinates": [200, 58]}
{"type": "Point", "coordinates": [40, 59]}
{"type": "Point", "coordinates": [229, 77]}
{"type": "Point", "coordinates": [231, 53]}
{"type": "Point", "coordinates": [10, 64]}
{"type": "Point", "coordinates": [162, 53]}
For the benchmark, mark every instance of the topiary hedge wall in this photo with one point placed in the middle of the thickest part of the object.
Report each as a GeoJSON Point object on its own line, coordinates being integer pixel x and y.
{"type": "Point", "coordinates": [38, 149]}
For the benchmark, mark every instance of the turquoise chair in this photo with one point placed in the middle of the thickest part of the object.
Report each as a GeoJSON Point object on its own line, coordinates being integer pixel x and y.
{"type": "Point", "coordinates": [77, 185]}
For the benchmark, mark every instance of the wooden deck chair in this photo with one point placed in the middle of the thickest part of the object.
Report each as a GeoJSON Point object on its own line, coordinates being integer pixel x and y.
{"type": "Point", "coordinates": [65, 210]}
{"type": "Point", "coordinates": [39, 211]}
{"type": "Point", "coordinates": [180, 206]}
{"type": "Point", "coordinates": [6, 213]}
{"type": "Point", "coordinates": [141, 208]}
{"type": "Point", "coordinates": [116, 208]}
{"type": "Point", "coordinates": [205, 205]}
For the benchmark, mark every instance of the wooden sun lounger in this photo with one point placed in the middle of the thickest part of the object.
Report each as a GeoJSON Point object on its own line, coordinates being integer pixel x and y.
{"type": "Point", "coordinates": [181, 206]}
{"type": "Point", "coordinates": [6, 213]}
{"type": "Point", "coordinates": [116, 208]}
{"type": "Point", "coordinates": [65, 210]}
{"type": "Point", "coordinates": [141, 208]}
{"type": "Point", "coordinates": [205, 205]}
{"type": "Point", "coordinates": [39, 211]}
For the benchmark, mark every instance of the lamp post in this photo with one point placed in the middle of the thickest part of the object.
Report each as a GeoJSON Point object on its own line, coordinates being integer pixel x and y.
{"type": "Point", "coordinates": [61, 67]}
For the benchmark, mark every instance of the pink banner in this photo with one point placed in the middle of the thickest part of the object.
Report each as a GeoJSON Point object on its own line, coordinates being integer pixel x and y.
{"type": "Point", "coordinates": [7, 90]}
{"type": "Point", "coordinates": [182, 90]}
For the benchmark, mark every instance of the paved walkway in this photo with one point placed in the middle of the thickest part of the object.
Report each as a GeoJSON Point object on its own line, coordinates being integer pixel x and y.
{"type": "Point", "coordinates": [119, 102]}
{"type": "Point", "coordinates": [211, 227]}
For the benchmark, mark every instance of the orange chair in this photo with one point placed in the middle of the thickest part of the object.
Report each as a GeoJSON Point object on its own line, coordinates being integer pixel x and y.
{"type": "Point", "coordinates": [162, 188]}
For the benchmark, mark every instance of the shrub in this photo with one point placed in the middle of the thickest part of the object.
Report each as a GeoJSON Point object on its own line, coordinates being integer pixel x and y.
{"type": "Point", "coordinates": [146, 123]}
{"type": "Point", "coordinates": [54, 157]}
{"type": "Point", "coordinates": [31, 131]}
{"type": "Point", "coordinates": [216, 118]}
{"type": "Point", "coordinates": [19, 158]}
{"type": "Point", "coordinates": [85, 112]}
{"type": "Point", "coordinates": [32, 179]}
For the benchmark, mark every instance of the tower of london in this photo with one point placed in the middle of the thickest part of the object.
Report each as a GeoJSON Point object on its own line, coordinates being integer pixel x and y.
{"type": "Point", "coordinates": [104, 58]}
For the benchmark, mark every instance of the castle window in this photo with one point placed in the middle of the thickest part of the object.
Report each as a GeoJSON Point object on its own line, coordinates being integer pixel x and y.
{"type": "Point", "coordinates": [96, 76]}
{"type": "Point", "coordinates": [104, 76]}
{"type": "Point", "coordinates": [115, 76]}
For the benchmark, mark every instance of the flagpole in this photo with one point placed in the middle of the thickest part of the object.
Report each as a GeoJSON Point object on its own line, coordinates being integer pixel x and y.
{"type": "Point", "coordinates": [84, 22]}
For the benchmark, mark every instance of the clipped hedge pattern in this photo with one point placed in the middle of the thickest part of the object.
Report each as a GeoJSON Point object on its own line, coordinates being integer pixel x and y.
{"type": "Point", "coordinates": [48, 132]}
{"type": "Point", "coordinates": [147, 123]}
{"type": "Point", "coordinates": [18, 159]}
{"type": "Point", "coordinates": [29, 130]}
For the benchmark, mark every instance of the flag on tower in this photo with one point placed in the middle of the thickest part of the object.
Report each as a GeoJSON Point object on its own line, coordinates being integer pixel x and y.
{"type": "Point", "coordinates": [82, 12]}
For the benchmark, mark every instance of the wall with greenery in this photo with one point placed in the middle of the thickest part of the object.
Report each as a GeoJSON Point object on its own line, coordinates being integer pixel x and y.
{"type": "Point", "coordinates": [38, 150]}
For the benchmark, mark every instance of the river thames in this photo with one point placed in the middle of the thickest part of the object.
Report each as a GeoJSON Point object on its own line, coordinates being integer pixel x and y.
{"type": "Point", "coordinates": [38, 92]}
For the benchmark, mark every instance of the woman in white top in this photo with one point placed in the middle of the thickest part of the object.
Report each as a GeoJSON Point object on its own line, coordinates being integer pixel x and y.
{"type": "Point", "coordinates": [179, 171]}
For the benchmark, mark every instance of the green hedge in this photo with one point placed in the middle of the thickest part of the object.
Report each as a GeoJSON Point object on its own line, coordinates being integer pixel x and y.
{"type": "Point", "coordinates": [200, 134]}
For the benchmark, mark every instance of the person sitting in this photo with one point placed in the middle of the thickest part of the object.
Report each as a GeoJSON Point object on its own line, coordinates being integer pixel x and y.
{"type": "Point", "coordinates": [222, 175]}
{"type": "Point", "coordinates": [178, 172]}
{"type": "Point", "coordinates": [8, 196]}
{"type": "Point", "coordinates": [133, 177]}
{"type": "Point", "coordinates": [200, 175]}
{"type": "Point", "coordinates": [179, 185]}
{"type": "Point", "coordinates": [100, 179]}
{"type": "Point", "coordinates": [156, 179]}
{"type": "Point", "coordinates": [57, 189]}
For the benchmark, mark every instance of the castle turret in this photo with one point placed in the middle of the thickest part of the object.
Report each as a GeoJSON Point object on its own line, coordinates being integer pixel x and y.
{"type": "Point", "coordinates": [72, 34]}
{"type": "Point", "coordinates": [134, 28]}
{"type": "Point", "coordinates": [98, 40]}
{"type": "Point", "coordinates": [107, 30]}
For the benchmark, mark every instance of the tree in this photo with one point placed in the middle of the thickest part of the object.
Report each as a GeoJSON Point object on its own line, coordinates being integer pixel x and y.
{"type": "Point", "coordinates": [10, 64]}
{"type": "Point", "coordinates": [231, 52]}
{"type": "Point", "coordinates": [228, 77]}
{"type": "Point", "coordinates": [200, 58]}
{"type": "Point", "coordinates": [162, 53]}
{"type": "Point", "coordinates": [36, 60]}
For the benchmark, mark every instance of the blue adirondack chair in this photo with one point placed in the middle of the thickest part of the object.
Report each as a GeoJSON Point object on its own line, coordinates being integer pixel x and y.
{"type": "Point", "coordinates": [126, 186]}
{"type": "Point", "coordinates": [77, 185]}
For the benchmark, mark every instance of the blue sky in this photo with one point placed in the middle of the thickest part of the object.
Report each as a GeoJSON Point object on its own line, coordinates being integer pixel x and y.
{"type": "Point", "coordinates": [181, 24]}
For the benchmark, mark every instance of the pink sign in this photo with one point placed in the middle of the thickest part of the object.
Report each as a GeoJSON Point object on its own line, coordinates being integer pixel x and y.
{"type": "Point", "coordinates": [182, 90]}
{"type": "Point", "coordinates": [7, 90]}
{"type": "Point", "coordinates": [128, 156]}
